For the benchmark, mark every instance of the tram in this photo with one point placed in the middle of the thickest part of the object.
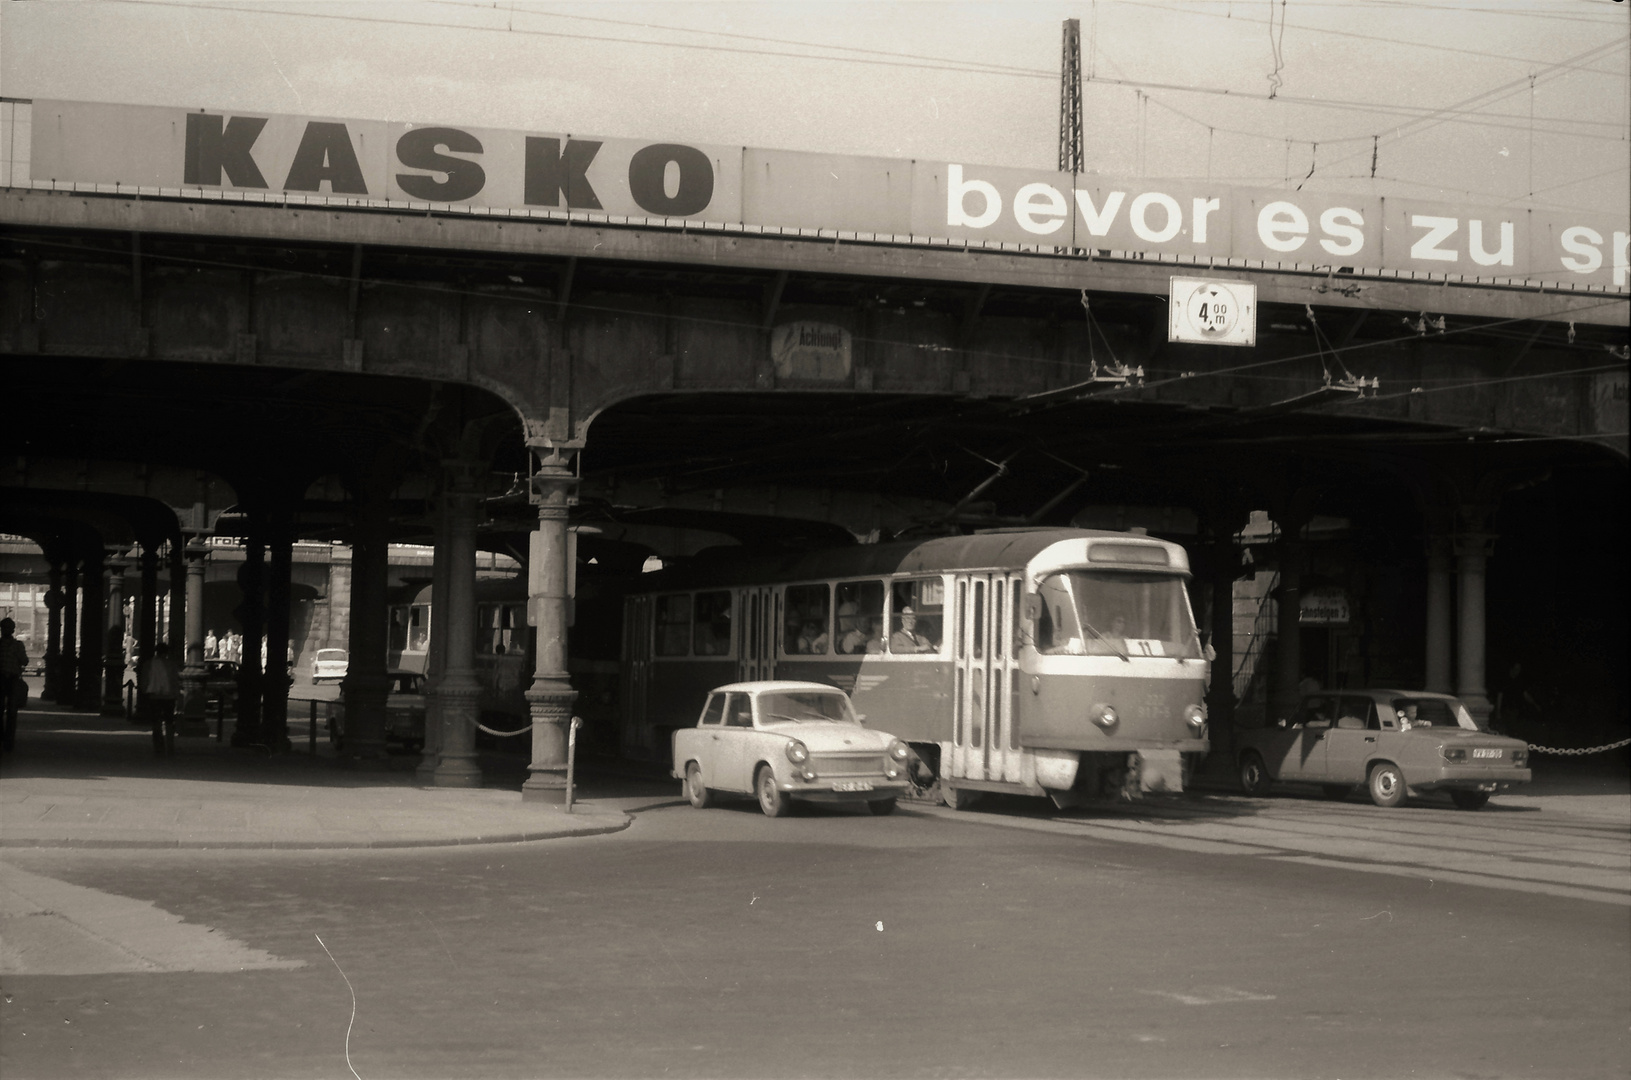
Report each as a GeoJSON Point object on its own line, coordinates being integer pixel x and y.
{"type": "Point", "coordinates": [503, 653]}
{"type": "Point", "coordinates": [1049, 662]}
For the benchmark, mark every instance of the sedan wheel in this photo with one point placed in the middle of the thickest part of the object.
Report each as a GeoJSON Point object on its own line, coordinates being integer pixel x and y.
{"type": "Point", "coordinates": [1469, 800]}
{"type": "Point", "coordinates": [1386, 784]}
{"type": "Point", "coordinates": [700, 797]}
{"type": "Point", "coordinates": [772, 800]}
{"type": "Point", "coordinates": [881, 807]}
{"type": "Point", "coordinates": [1254, 775]}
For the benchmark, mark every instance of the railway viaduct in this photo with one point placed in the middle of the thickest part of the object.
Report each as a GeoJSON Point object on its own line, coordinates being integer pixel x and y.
{"type": "Point", "coordinates": [582, 386]}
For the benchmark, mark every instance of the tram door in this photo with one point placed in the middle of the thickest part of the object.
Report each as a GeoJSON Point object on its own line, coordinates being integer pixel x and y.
{"type": "Point", "coordinates": [978, 723]}
{"type": "Point", "coordinates": [756, 649]}
{"type": "Point", "coordinates": [637, 616]}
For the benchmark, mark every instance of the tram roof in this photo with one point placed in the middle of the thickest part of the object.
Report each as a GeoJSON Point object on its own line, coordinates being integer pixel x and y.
{"type": "Point", "coordinates": [995, 548]}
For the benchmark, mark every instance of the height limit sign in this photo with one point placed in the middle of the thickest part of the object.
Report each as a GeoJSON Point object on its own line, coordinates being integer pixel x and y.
{"type": "Point", "coordinates": [1211, 312]}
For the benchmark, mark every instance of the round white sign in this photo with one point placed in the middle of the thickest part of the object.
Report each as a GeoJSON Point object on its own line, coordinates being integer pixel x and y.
{"type": "Point", "coordinates": [1212, 310]}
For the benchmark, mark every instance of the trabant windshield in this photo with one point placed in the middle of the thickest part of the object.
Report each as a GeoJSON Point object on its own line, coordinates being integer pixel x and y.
{"type": "Point", "coordinates": [799, 706]}
{"type": "Point", "coordinates": [1115, 613]}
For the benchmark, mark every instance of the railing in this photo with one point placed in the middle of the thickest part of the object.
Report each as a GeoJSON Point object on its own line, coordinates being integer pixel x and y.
{"type": "Point", "coordinates": [1265, 623]}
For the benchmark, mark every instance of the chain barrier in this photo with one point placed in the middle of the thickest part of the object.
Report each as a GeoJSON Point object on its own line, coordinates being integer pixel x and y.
{"type": "Point", "coordinates": [1579, 750]}
{"type": "Point", "coordinates": [502, 734]}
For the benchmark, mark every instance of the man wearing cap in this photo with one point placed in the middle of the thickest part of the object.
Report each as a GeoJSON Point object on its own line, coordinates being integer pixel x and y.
{"type": "Point", "coordinates": [13, 659]}
{"type": "Point", "coordinates": [907, 639]}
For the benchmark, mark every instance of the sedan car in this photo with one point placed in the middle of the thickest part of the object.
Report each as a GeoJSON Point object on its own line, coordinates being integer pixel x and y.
{"type": "Point", "coordinates": [404, 713]}
{"type": "Point", "coordinates": [1395, 742]}
{"type": "Point", "coordinates": [329, 665]}
{"type": "Point", "coordinates": [788, 741]}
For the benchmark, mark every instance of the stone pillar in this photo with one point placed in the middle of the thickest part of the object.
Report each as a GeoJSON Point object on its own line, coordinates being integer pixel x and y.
{"type": "Point", "coordinates": [53, 634]}
{"type": "Point", "coordinates": [459, 692]}
{"type": "Point", "coordinates": [67, 689]}
{"type": "Point", "coordinates": [93, 620]}
{"type": "Point", "coordinates": [1472, 550]}
{"type": "Point", "coordinates": [275, 696]}
{"type": "Point", "coordinates": [550, 697]}
{"type": "Point", "coordinates": [193, 710]}
{"type": "Point", "coordinates": [113, 658]}
{"type": "Point", "coordinates": [1224, 563]}
{"type": "Point", "coordinates": [366, 684]}
{"type": "Point", "coordinates": [251, 613]}
{"type": "Point", "coordinates": [1438, 615]}
{"type": "Point", "coordinates": [1288, 656]}
{"type": "Point", "coordinates": [146, 619]}
{"type": "Point", "coordinates": [436, 660]}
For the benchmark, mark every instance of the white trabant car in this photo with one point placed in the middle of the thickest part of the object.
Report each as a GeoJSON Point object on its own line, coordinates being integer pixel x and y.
{"type": "Point", "coordinates": [329, 665]}
{"type": "Point", "coordinates": [786, 741]}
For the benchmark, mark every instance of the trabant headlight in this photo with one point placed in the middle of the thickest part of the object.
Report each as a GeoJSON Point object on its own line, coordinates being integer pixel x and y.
{"type": "Point", "coordinates": [899, 750]}
{"type": "Point", "coordinates": [797, 752]}
{"type": "Point", "coordinates": [1195, 717]}
{"type": "Point", "coordinates": [1453, 753]}
{"type": "Point", "coordinates": [1104, 716]}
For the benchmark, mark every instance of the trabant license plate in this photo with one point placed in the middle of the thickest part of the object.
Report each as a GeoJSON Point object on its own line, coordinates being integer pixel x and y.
{"type": "Point", "coordinates": [1485, 753]}
{"type": "Point", "coordinates": [852, 785]}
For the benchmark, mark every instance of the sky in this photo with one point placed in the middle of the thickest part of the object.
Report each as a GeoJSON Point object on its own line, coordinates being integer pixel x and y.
{"type": "Point", "coordinates": [1483, 102]}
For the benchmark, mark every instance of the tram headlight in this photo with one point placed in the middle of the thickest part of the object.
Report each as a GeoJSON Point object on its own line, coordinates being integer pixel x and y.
{"type": "Point", "coordinates": [797, 752]}
{"type": "Point", "coordinates": [1195, 717]}
{"type": "Point", "coordinates": [899, 750]}
{"type": "Point", "coordinates": [1104, 716]}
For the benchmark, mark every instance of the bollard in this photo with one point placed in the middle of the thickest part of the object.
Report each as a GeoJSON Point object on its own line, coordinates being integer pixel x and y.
{"type": "Point", "coordinates": [571, 757]}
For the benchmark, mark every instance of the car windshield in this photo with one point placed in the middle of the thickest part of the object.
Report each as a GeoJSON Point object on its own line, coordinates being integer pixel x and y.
{"type": "Point", "coordinates": [1436, 713]}
{"type": "Point", "coordinates": [798, 706]}
{"type": "Point", "coordinates": [1115, 613]}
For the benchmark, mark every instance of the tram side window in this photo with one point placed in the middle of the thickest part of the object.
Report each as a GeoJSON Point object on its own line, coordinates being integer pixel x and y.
{"type": "Point", "coordinates": [498, 630]}
{"type": "Point", "coordinates": [673, 625]}
{"type": "Point", "coordinates": [917, 615]}
{"type": "Point", "coordinates": [712, 635]}
{"type": "Point", "coordinates": [807, 622]}
{"type": "Point", "coordinates": [1056, 629]}
{"type": "Point", "coordinates": [860, 617]}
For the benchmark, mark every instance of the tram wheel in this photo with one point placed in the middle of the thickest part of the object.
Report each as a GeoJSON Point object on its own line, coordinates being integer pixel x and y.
{"type": "Point", "coordinates": [1469, 800]}
{"type": "Point", "coordinates": [772, 800]}
{"type": "Point", "coordinates": [700, 797]}
{"type": "Point", "coordinates": [881, 807]}
{"type": "Point", "coordinates": [958, 798]}
{"type": "Point", "coordinates": [1254, 774]}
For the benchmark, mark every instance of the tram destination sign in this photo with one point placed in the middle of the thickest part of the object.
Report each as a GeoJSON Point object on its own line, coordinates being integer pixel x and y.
{"type": "Point", "coordinates": [263, 155]}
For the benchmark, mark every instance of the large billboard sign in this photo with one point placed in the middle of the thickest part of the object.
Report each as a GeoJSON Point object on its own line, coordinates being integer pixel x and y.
{"type": "Point", "coordinates": [429, 165]}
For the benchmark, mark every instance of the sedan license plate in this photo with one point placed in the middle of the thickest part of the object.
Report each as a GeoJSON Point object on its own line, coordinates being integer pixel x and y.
{"type": "Point", "coordinates": [1482, 753]}
{"type": "Point", "coordinates": [852, 785]}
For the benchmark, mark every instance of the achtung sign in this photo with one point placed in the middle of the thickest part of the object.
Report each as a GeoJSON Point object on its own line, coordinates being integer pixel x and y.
{"type": "Point", "coordinates": [486, 169]}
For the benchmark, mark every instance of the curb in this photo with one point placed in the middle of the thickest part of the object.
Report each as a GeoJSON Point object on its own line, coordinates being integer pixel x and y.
{"type": "Point", "coordinates": [314, 845]}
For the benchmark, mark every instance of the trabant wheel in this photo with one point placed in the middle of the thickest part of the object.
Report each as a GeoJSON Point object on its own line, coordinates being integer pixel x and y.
{"type": "Point", "coordinates": [1337, 792]}
{"type": "Point", "coordinates": [1469, 800]}
{"type": "Point", "coordinates": [700, 797]}
{"type": "Point", "coordinates": [881, 807]}
{"type": "Point", "coordinates": [1254, 775]}
{"type": "Point", "coordinates": [772, 800]}
{"type": "Point", "coordinates": [1386, 784]}
{"type": "Point", "coordinates": [958, 798]}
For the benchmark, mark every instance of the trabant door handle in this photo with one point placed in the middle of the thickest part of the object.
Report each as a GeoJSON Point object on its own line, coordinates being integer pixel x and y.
{"type": "Point", "coordinates": [1370, 738]}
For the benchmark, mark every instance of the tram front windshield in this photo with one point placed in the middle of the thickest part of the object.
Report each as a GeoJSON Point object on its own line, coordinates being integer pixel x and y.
{"type": "Point", "coordinates": [1115, 613]}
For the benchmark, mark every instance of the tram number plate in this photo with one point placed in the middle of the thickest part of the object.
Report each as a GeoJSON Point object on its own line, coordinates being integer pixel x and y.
{"type": "Point", "coordinates": [1477, 753]}
{"type": "Point", "coordinates": [852, 785]}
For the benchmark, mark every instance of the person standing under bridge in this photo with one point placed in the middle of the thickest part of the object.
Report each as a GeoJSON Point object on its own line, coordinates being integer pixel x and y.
{"type": "Point", "coordinates": [163, 687]}
{"type": "Point", "coordinates": [13, 660]}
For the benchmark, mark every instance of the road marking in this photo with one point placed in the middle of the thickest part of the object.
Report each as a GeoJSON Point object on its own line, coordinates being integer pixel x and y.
{"type": "Point", "coordinates": [1211, 995]}
{"type": "Point", "coordinates": [1623, 899]}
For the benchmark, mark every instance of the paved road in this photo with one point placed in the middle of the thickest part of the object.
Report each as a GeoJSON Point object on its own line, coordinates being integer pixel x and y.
{"type": "Point", "coordinates": [1215, 937]}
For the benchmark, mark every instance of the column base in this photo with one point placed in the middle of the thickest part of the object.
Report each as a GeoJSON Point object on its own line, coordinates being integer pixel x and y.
{"type": "Point", "coordinates": [545, 786]}
{"type": "Point", "coordinates": [457, 772]}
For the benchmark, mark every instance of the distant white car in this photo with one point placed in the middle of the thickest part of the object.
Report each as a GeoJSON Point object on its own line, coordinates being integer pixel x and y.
{"type": "Point", "coordinates": [329, 665]}
{"type": "Point", "coordinates": [781, 741]}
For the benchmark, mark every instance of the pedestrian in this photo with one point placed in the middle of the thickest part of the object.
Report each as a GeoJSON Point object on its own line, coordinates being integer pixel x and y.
{"type": "Point", "coordinates": [210, 645]}
{"type": "Point", "coordinates": [13, 661]}
{"type": "Point", "coordinates": [1516, 710]}
{"type": "Point", "coordinates": [163, 687]}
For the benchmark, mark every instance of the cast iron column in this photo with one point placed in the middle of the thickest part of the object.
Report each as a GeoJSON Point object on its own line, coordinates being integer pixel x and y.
{"type": "Point", "coordinates": [436, 660]}
{"type": "Point", "coordinates": [114, 659]}
{"type": "Point", "coordinates": [193, 710]}
{"type": "Point", "coordinates": [93, 620]}
{"type": "Point", "coordinates": [1220, 695]}
{"type": "Point", "coordinates": [146, 619]}
{"type": "Point", "coordinates": [459, 693]}
{"type": "Point", "coordinates": [1438, 615]}
{"type": "Point", "coordinates": [53, 635]}
{"type": "Point", "coordinates": [1288, 658]}
{"type": "Point", "coordinates": [550, 696]}
{"type": "Point", "coordinates": [366, 684]}
{"type": "Point", "coordinates": [251, 613]}
{"type": "Point", "coordinates": [68, 688]}
{"type": "Point", "coordinates": [275, 707]}
{"type": "Point", "coordinates": [1472, 551]}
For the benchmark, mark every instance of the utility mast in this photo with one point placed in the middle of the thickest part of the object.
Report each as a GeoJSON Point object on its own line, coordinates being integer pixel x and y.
{"type": "Point", "coordinates": [1070, 99]}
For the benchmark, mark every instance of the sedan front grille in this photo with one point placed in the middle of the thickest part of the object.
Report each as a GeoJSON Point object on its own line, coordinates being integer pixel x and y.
{"type": "Point", "coordinates": [868, 763]}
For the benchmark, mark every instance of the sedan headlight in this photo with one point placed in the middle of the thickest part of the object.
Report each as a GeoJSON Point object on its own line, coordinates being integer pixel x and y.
{"type": "Point", "coordinates": [899, 750]}
{"type": "Point", "coordinates": [1520, 758]}
{"type": "Point", "coordinates": [1104, 716]}
{"type": "Point", "coordinates": [797, 752]}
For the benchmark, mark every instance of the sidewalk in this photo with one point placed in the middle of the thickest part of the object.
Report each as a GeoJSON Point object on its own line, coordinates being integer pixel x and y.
{"type": "Point", "coordinates": [81, 780]}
